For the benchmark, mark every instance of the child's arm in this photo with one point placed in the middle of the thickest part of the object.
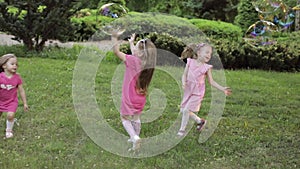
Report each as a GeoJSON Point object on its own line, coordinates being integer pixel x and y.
{"type": "Point", "coordinates": [131, 40]}
{"type": "Point", "coordinates": [184, 76]}
{"type": "Point", "coordinates": [226, 90]}
{"type": "Point", "coordinates": [23, 96]}
{"type": "Point", "coordinates": [116, 47]}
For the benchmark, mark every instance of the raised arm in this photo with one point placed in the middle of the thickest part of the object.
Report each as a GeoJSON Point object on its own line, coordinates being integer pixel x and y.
{"type": "Point", "coordinates": [226, 90]}
{"type": "Point", "coordinates": [116, 46]}
{"type": "Point", "coordinates": [131, 40]}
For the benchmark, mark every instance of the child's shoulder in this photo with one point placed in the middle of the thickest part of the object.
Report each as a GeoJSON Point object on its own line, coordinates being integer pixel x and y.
{"type": "Point", "coordinates": [207, 66]}
{"type": "Point", "coordinates": [17, 75]}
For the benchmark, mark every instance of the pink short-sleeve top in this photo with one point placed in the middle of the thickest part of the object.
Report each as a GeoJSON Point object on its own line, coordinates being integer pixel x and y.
{"type": "Point", "coordinates": [9, 92]}
{"type": "Point", "coordinates": [196, 76]}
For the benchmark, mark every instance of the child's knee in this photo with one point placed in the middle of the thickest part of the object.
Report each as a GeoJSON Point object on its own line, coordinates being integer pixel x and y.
{"type": "Point", "coordinates": [136, 117]}
{"type": "Point", "coordinates": [125, 117]}
{"type": "Point", "coordinates": [10, 116]}
{"type": "Point", "coordinates": [185, 110]}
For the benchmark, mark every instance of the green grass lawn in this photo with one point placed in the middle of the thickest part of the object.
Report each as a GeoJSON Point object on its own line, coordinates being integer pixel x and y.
{"type": "Point", "coordinates": [259, 128]}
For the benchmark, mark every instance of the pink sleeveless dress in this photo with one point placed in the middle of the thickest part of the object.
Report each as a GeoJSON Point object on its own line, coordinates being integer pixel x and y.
{"type": "Point", "coordinates": [132, 103]}
{"type": "Point", "coordinates": [195, 86]}
{"type": "Point", "coordinates": [9, 92]}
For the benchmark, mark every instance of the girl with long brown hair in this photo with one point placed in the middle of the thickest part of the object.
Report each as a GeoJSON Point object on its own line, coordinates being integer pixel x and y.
{"type": "Point", "coordinates": [137, 77]}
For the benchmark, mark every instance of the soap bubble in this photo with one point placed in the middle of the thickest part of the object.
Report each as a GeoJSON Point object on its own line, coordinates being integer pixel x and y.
{"type": "Point", "coordinates": [260, 33]}
{"type": "Point", "coordinates": [113, 11]}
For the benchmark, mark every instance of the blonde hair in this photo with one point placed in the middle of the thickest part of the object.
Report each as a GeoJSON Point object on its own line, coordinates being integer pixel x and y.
{"type": "Point", "coordinates": [190, 51]}
{"type": "Point", "coordinates": [4, 59]}
{"type": "Point", "coordinates": [148, 57]}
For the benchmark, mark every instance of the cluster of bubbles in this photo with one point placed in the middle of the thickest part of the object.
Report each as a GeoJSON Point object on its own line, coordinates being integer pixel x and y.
{"type": "Point", "coordinates": [275, 16]}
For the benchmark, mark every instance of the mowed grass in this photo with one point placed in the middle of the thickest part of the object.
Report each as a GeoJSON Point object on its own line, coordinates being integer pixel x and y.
{"type": "Point", "coordinates": [259, 128]}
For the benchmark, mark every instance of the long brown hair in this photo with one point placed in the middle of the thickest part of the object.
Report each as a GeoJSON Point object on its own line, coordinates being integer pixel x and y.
{"type": "Point", "coordinates": [148, 58]}
{"type": "Point", "coordinates": [4, 59]}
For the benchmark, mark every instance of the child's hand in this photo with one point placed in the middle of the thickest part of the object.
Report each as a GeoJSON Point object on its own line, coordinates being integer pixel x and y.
{"type": "Point", "coordinates": [227, 91]}
{"type": "Point", "coordinates": [26, 108]}
{"type": "Point", "coordinates": [132, 38]}
{"type": "Point", "coordinates": [116, 33]}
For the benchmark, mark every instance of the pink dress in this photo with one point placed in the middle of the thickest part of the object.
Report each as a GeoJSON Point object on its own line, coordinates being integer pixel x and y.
{"type": "Point", "coordinates": [195, 86]}
{"type": "Point", "coordinates": [9, 92]}
{"type": "Point", "coordinates": [132, 102]}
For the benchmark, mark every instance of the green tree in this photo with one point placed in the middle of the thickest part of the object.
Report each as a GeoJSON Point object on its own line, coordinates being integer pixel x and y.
{"type": "Point", "coordinates": [247, 15]}
{"type": "Point", "coordinates": [34, 21]}
{"type": "Point", "coordinates": [211, 9]}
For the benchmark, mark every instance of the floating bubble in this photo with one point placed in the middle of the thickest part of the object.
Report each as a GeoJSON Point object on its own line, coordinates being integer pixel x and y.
{"type": "Point", "coordinates": [260, 33]}
{"type": "Point", "coordinates": [274, 16]}
{"type": "Point", "coordinates": [114, 11]}
{"type": "Point", "coordinates": [266, 6]}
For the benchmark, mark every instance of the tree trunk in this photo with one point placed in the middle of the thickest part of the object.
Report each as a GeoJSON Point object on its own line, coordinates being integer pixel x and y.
{"type": "Point", "coordinates": [40, 46]}
{"type": "Point", "coordinates": [28, 43]}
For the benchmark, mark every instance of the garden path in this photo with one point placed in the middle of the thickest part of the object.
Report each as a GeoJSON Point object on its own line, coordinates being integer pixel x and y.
{"type": "Point", "coordinates": [106, 44]}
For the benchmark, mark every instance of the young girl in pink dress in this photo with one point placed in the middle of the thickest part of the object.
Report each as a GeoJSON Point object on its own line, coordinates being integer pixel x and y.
{"type": "Point", "coordinates": [137, 77]}
{"type": "Point", "coordinates": [10, 83]}
{"type": "Point", "coordinates": [193, 82]}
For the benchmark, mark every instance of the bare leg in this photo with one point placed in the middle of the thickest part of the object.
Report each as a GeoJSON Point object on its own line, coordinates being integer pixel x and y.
{"type": "Point", "coordinates": [195, 117]}
{"type": "Point", "coordinates": [185, 119]}
{"type": "Point", "coordinates": [10, 124]}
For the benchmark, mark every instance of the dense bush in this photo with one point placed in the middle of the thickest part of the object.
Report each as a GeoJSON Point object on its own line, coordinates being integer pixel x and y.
{"type": "Point", "coordinates": [282, 56]}
{"type": "Point", "coordinates": [89, 23]}
{"type": "Point", "coordinates": [218, 29]}
{"type": "Point", "coordinates": [247, 15]}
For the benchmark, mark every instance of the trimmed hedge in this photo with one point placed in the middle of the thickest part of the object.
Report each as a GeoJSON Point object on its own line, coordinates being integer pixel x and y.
{"type": "Point", "coordinates": [282, 56]}
{"type": "Point", "coordinates": [218, 29]}
{"type": "Point", "coordinates": [88, 23]}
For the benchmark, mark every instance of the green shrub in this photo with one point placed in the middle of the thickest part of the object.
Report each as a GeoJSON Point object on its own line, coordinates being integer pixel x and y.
{"type": "Point", "coordinates": [87, 22]}
{"type": "Point", "coordinates": [135, 22]}
{"type": "Point", "coordinates": [218, 29]}
{"type": "Point", "coordinates": [112, 58]}
{"type": "Point", "coordinates": [48, 52]}
{"type": "Point", "coordinates": [282, 56]}
{"type": "Point", "coordinates": [18, 50]}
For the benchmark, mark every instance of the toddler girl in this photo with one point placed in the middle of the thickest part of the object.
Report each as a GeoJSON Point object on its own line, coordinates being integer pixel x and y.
{"type": "Point", "coordinates": [10, 83]}
{"type": "Point", "coordinates": [138, 74]}
{"type": "Point", "coordinates": [193, 82]}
